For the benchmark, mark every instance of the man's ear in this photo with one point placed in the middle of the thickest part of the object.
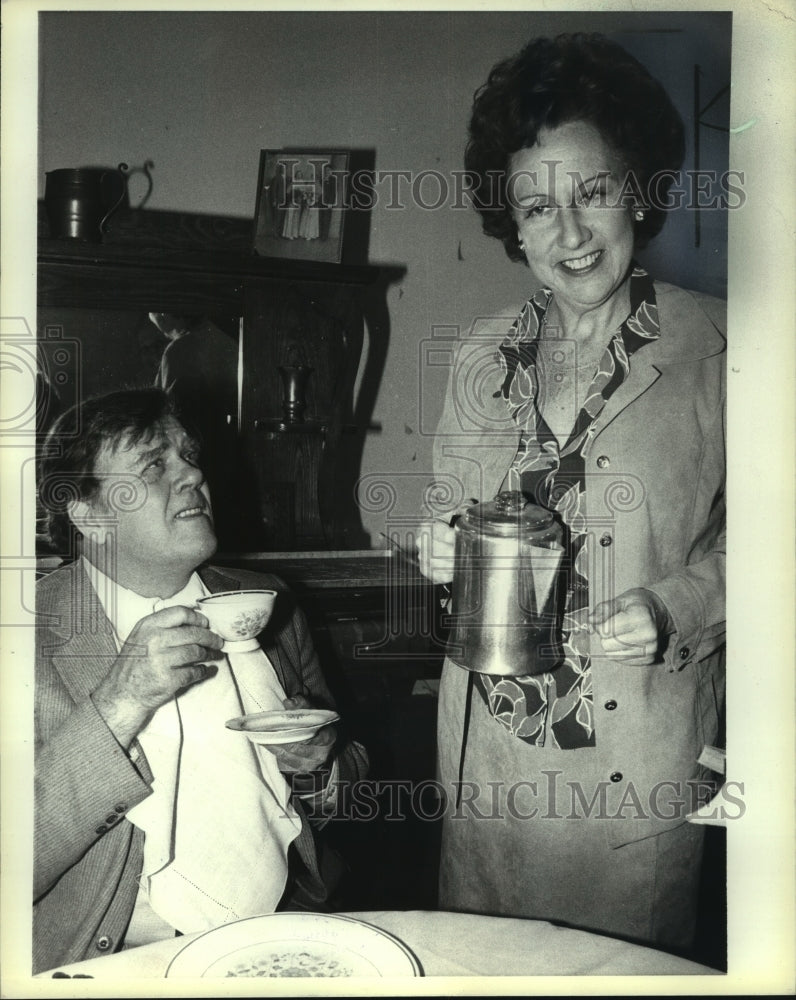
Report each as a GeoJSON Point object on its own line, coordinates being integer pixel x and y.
{"type": "Point", "coordinates": [81, 514]}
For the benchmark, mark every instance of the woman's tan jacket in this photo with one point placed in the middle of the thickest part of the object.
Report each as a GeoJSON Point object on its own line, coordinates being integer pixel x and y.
{"type": "Point", "coordinates": [655, 480]}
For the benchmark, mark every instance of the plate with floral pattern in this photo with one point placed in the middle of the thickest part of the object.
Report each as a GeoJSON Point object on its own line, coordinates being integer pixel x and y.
{"type": "Point", "coordinates": [295, 946]}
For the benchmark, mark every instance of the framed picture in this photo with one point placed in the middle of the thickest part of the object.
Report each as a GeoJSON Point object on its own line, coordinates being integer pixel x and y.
{"type": "Point", "coordinates": [301, 204]}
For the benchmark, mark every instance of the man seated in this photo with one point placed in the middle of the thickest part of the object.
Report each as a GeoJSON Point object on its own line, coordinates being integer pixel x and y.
{"type": "Point", "coordinates": [151, 817]}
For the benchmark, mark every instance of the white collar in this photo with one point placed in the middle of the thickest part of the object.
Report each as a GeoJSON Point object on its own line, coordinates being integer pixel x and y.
{"type": "Point", "coordinates": [125, 608]}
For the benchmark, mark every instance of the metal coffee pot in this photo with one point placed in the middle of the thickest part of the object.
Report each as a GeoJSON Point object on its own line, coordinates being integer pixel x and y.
{"type": "Point", "coordinates": [505, 593]}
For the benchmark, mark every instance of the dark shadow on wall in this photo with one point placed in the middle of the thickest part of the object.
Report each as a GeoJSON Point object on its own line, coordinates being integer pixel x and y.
{"type": "Point", "coordinates": [376, 316]}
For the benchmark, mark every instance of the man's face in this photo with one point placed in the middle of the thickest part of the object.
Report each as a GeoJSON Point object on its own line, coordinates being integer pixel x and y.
{"type": "Point", "coordinates": [159, 504]}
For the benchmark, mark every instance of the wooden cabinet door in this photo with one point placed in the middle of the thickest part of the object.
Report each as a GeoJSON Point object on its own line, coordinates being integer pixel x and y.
{"type": "Point", "coordinates": [304, 485]}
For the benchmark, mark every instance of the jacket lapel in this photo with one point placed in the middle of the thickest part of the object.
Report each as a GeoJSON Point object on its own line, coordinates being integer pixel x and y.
{"type": "Point", "coordinates": [216, 581]}
{"type": "Point", "coordinates": [682, 341]}
{"type": "Point", "coordinates": [639, 379]}
{"type": "Point", "coordinates": [89, 646]}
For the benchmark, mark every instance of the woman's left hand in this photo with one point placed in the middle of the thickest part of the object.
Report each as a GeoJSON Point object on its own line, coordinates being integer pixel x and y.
{"type": "Point", "coordinates": [309, 755]}
{"type": "Point", "coordinates": [632, 627]}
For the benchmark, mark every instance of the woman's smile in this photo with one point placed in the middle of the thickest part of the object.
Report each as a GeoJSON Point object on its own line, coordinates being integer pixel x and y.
{"type": "Point", "coordinates": [582, 265]}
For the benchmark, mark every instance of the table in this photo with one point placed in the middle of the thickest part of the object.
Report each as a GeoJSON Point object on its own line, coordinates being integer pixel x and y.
{"type": "Point", "coordinates": [452, 944]}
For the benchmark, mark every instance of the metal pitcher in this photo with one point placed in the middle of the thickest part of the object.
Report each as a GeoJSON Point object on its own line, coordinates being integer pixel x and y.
{"type": "Point", "coordinates": [80, 202]}
{"type": "Point", "coordinates": [505, 593]}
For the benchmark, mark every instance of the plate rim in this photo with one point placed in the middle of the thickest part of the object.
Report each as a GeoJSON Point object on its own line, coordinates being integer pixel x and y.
{"type": "Point", "coordinates": [413, 960]}
{"type": "Point", "coordinates": [275, 737]}
{"type": "Point", "coordinates": [332, 714]}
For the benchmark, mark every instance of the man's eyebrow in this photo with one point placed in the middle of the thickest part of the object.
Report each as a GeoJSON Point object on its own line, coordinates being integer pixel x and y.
{"type": "Point", "coordinates": [148, 454]}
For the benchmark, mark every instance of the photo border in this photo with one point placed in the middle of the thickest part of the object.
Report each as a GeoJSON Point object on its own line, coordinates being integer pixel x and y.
{"type": "Point", "coordinates": [275, 210]}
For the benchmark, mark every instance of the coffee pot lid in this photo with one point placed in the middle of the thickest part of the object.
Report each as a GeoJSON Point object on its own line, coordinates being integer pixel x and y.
{"type": "Point", "coordinates": [508, 514]}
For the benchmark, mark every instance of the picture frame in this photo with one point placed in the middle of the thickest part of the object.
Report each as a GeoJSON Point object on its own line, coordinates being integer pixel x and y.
{"type": "Point", "coordinates": [301, 204]}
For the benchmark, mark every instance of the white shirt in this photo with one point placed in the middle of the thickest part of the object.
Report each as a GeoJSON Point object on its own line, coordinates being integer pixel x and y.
{"type": "Point", "coordinates": [218, 850]}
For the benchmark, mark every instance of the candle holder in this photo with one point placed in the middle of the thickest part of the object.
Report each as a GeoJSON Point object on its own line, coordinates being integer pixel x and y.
{"type": "Point", "coordinates": [294, 385]}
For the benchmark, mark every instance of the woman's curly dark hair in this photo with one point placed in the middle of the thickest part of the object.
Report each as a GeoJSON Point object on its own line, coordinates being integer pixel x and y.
{"type": "Point", "coordinates": [575, 77]}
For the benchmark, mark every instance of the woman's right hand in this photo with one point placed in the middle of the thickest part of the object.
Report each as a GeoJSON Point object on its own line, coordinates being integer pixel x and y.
{"type": "Point", "coordinates": [435, 551]}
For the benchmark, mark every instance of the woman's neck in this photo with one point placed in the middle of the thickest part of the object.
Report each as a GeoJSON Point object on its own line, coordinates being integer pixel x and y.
{"type": "Point", "coordinates": [589, 327]}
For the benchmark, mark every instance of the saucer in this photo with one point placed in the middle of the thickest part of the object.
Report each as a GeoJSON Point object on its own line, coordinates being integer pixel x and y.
{"type": "Point", "coordinates": [291, 725]}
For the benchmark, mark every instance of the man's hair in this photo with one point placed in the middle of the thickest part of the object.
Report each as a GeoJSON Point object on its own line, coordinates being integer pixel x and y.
{"type": "Point", "coordinates": [73, 445]}
{"type": "Point", "coordinates": [571, 78]}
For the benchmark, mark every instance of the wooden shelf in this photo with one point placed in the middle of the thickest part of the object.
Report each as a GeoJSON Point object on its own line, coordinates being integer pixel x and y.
{"type": "Point", "coordinates": [179, 261]}
{"type": "Point", "coordinates": [115, 276]}
{"type": "Point", "coordinates": [221, 261]}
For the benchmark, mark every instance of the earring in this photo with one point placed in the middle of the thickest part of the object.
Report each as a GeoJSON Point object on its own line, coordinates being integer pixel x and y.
{"type": "Point", "coordinates": [522, 247]}
{"type": "Point", "coordinates": [638, 215]}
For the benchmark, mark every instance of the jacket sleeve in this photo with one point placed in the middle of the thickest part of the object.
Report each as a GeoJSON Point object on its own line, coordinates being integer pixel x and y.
{"type": "Point", "coordinates": [84, 782]}
{"type": "Point", "coordinates": [694, 596]}
{"type": "Point", "coordinates": [692, 587]}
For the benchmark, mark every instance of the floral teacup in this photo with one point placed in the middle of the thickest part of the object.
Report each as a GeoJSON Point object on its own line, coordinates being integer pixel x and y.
{"type": "Point", "coordinates": [238, 616]}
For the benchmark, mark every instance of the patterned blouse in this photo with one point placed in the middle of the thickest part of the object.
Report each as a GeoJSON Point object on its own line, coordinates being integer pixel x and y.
{"type": "Point", "coordinates": [555, 709]}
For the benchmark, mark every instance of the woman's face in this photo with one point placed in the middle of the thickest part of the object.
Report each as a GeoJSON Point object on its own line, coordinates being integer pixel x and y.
{"type": "Point", "coordinates": [565, 191]}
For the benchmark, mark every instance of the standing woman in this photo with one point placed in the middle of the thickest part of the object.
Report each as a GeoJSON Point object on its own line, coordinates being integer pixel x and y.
{"type": "Point", "coordinates": [602, 399]}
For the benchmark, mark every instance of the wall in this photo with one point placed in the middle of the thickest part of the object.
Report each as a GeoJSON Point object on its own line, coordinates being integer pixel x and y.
{"type": "Point", "coordinates": [202, 93]}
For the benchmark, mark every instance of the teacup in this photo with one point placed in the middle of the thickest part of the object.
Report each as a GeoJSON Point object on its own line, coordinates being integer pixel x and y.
{"type": "Point", "coordinates": [238, 616]}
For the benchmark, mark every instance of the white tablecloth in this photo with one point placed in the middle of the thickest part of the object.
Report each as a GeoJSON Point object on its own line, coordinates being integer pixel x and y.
{"type": "Point", "coordinates": [451, 944]}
